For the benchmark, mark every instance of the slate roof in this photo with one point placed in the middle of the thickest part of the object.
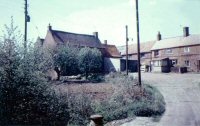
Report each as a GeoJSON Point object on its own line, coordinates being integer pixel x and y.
{"type": "Point", "coordinates": [111, 51]}
{"type": "Point", "coordinates": [76, 39]}
{"type": "Point", "coordinates": [132, 49]}
{"type": "Point", "coordinates": [177, 42]}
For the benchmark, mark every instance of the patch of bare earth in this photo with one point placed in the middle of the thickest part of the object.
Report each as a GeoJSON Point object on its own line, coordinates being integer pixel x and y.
{"type": "Point", "coordinates": [96, 90]}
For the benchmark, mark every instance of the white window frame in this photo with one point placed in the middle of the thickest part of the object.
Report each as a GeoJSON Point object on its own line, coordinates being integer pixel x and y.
{"type": "Point", "coordinates": [174, 61]}
{"type": "Point", "coordinates": [186, 49]}
{"type": "Point", "coordinates": [187, 63]}
{"type": "Point", "coordinates": [157, 63]}
{"type": "Point", "coordinates": [168, 51]}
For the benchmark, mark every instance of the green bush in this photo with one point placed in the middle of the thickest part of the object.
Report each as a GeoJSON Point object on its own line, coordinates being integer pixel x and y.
{"type": "Point", "coordinates": [25, 96]}
{"type": "Point", "coordinates": [127, 100]}
{"type": "Point", "coordinates": [96, 78]}
{"type": "Point", "coordinates": [65, 57]}
{"type": "Point", "coordinates": [90, 61]}
{"type": "Point", "coordinates": [80, 108]}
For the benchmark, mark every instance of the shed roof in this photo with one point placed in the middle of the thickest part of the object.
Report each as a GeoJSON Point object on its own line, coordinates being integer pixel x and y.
{"type": "Point", "coordinates": [177, 42]}
{"type": "Point", "coordinates": [76, 39]}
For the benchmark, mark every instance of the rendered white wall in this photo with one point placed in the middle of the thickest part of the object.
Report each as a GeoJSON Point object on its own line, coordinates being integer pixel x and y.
{"type": "Point", "coordinates": [111, 64]}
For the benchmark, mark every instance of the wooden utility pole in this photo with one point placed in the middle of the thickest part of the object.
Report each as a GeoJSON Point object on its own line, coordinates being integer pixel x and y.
{"type": "Point", "coordinates": [126, 50]}
{"type": "Point", "coordinates": [27, 19]}
{"type": "Point", "coordinates": [138, 43]}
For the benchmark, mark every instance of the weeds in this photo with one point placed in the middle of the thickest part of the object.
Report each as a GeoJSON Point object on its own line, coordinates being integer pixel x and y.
{"type": "Point", "coordinates": [127, 101]}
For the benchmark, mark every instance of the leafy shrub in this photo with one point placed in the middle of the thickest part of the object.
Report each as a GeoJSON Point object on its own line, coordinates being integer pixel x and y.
{"type": "Point", "coordinates": [25, 96]}
{"type": "Point", "coordinates": [89, 61]}
{"type": "Point", "coordinates": [80, 108]}
{"type": "Point", "coordinates": [65, 57]}
{"type": "Point", "coordinates": [96, 78]}
{"type": "Point", "coordinates": [128, 101]}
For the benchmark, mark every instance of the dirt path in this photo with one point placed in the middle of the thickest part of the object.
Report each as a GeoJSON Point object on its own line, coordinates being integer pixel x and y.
{"type": "Point", "coordinates": [182, 96]}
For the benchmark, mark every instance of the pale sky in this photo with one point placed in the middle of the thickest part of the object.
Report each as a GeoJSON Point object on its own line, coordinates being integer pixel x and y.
{"type": "Point", "coordinates": [107, 17]}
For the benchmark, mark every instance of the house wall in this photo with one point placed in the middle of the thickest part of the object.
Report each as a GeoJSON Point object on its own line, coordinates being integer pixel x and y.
{"type": "Point", "coordinates": [111, 64]}
{"type": "Point", "coordinates": [178, 53]}
{"type": "Point", "coordinates": [156, 69]}
{"type": "Point", "coordinates": [132, 56]}
{"type": "Point", "coordinates": [145, 58]}
{"type": "Point", "coordinates": [49, 41]}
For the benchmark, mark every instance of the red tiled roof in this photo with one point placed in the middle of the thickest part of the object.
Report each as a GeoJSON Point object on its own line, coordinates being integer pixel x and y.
{"type": "Point", "coordinates": [111, 51]}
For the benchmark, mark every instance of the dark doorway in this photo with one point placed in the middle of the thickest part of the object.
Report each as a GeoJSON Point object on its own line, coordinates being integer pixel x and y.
{"type": "Point", "coordinates": [132, 65]}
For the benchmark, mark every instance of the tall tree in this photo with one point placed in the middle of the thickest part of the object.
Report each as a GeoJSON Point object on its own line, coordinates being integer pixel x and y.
{"type": "Point", "coordinates": [26, 100]}
{"type": "Point", "coordinates": [89, 61]}
{"type": "Point", "coordinates": [65, 58]}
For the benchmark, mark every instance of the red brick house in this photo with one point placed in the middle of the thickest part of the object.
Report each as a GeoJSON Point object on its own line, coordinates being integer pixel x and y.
{"type": "Point", "coordinates": [55, 37]}
{"type": "Point", "coordinates": [181, 51]}
{"type": "Point", "coordinates": [163, 54]}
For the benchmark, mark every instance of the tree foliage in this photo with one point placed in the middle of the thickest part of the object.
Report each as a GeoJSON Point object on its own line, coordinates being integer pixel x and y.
{"type": "Point", "coordinates": [25, 96]}
{"type": "Point", "coordinates": [90, 60]}
{"type": "Point", "coordinates": [66, 59]}
{"type": "Point", "coordinates": [73, 60]}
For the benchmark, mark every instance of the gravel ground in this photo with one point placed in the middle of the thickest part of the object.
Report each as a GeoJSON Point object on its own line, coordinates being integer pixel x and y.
{"type": "Point", "coordinates": [182, 96]}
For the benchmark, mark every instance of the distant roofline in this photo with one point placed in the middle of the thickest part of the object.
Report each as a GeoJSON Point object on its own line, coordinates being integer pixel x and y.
{"type": "Point", "coordinates": [180, 45]}
{"type": "Point", "coordinates": [136, 43]}
{"type": "Point", "coordinates": [159, 40]}
{"type": "Point", "coordinates": [72, 33]}
{"type": "Point", "coordinates": [135, 53]}
{"type": "Point", "coordinates": [108, 45]}
{"type": "Point", "coordinates": [176, 47]}
{"type": "Point", "coordinates": [178, 37]}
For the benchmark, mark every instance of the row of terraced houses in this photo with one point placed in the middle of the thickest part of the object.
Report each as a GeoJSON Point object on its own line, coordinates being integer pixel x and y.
{"type": "Point", "coordinates": [160, 55]}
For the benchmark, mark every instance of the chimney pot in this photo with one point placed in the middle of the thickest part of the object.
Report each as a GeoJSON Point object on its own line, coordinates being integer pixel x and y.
{"type": "Point", "coordinates": [95, 34]}
{"type": "Point", "coordinates": [185, 31]}
{"type": "Point", "coordinates": [49, 27]}
{"type": "Point", "coordinates": [159, 36]}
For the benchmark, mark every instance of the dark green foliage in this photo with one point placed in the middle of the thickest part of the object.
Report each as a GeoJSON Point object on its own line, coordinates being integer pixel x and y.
{"type": "Point", "coordinates": [25, 96]}
{"type": "Point", "coordinates": [96, 78]}
{"type": "Point", "coordinates": [41, 57]}
{"type": "Point", "coordinates": [90, 61]}
{"type": "Point", "coordinates": [72, 60]}
{"type": "Point", "coordinates": [127, 101]}
{"type": "Point", "coordinates": [80, 108]}
{"type": "Point", "coordinates": [66, 59]}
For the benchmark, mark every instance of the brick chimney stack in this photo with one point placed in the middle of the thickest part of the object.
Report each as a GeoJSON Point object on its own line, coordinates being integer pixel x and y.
{"type": "Point", "coordinates": [186, 31]}
{"type": "Point", "coordinates": [105, 42]}
{"type": "Point", "coordinates": [159, 36]}
{"type": "Point", "coordinates": [49, 27]}
{"type": "Point", "coordinates": [95, 34]}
